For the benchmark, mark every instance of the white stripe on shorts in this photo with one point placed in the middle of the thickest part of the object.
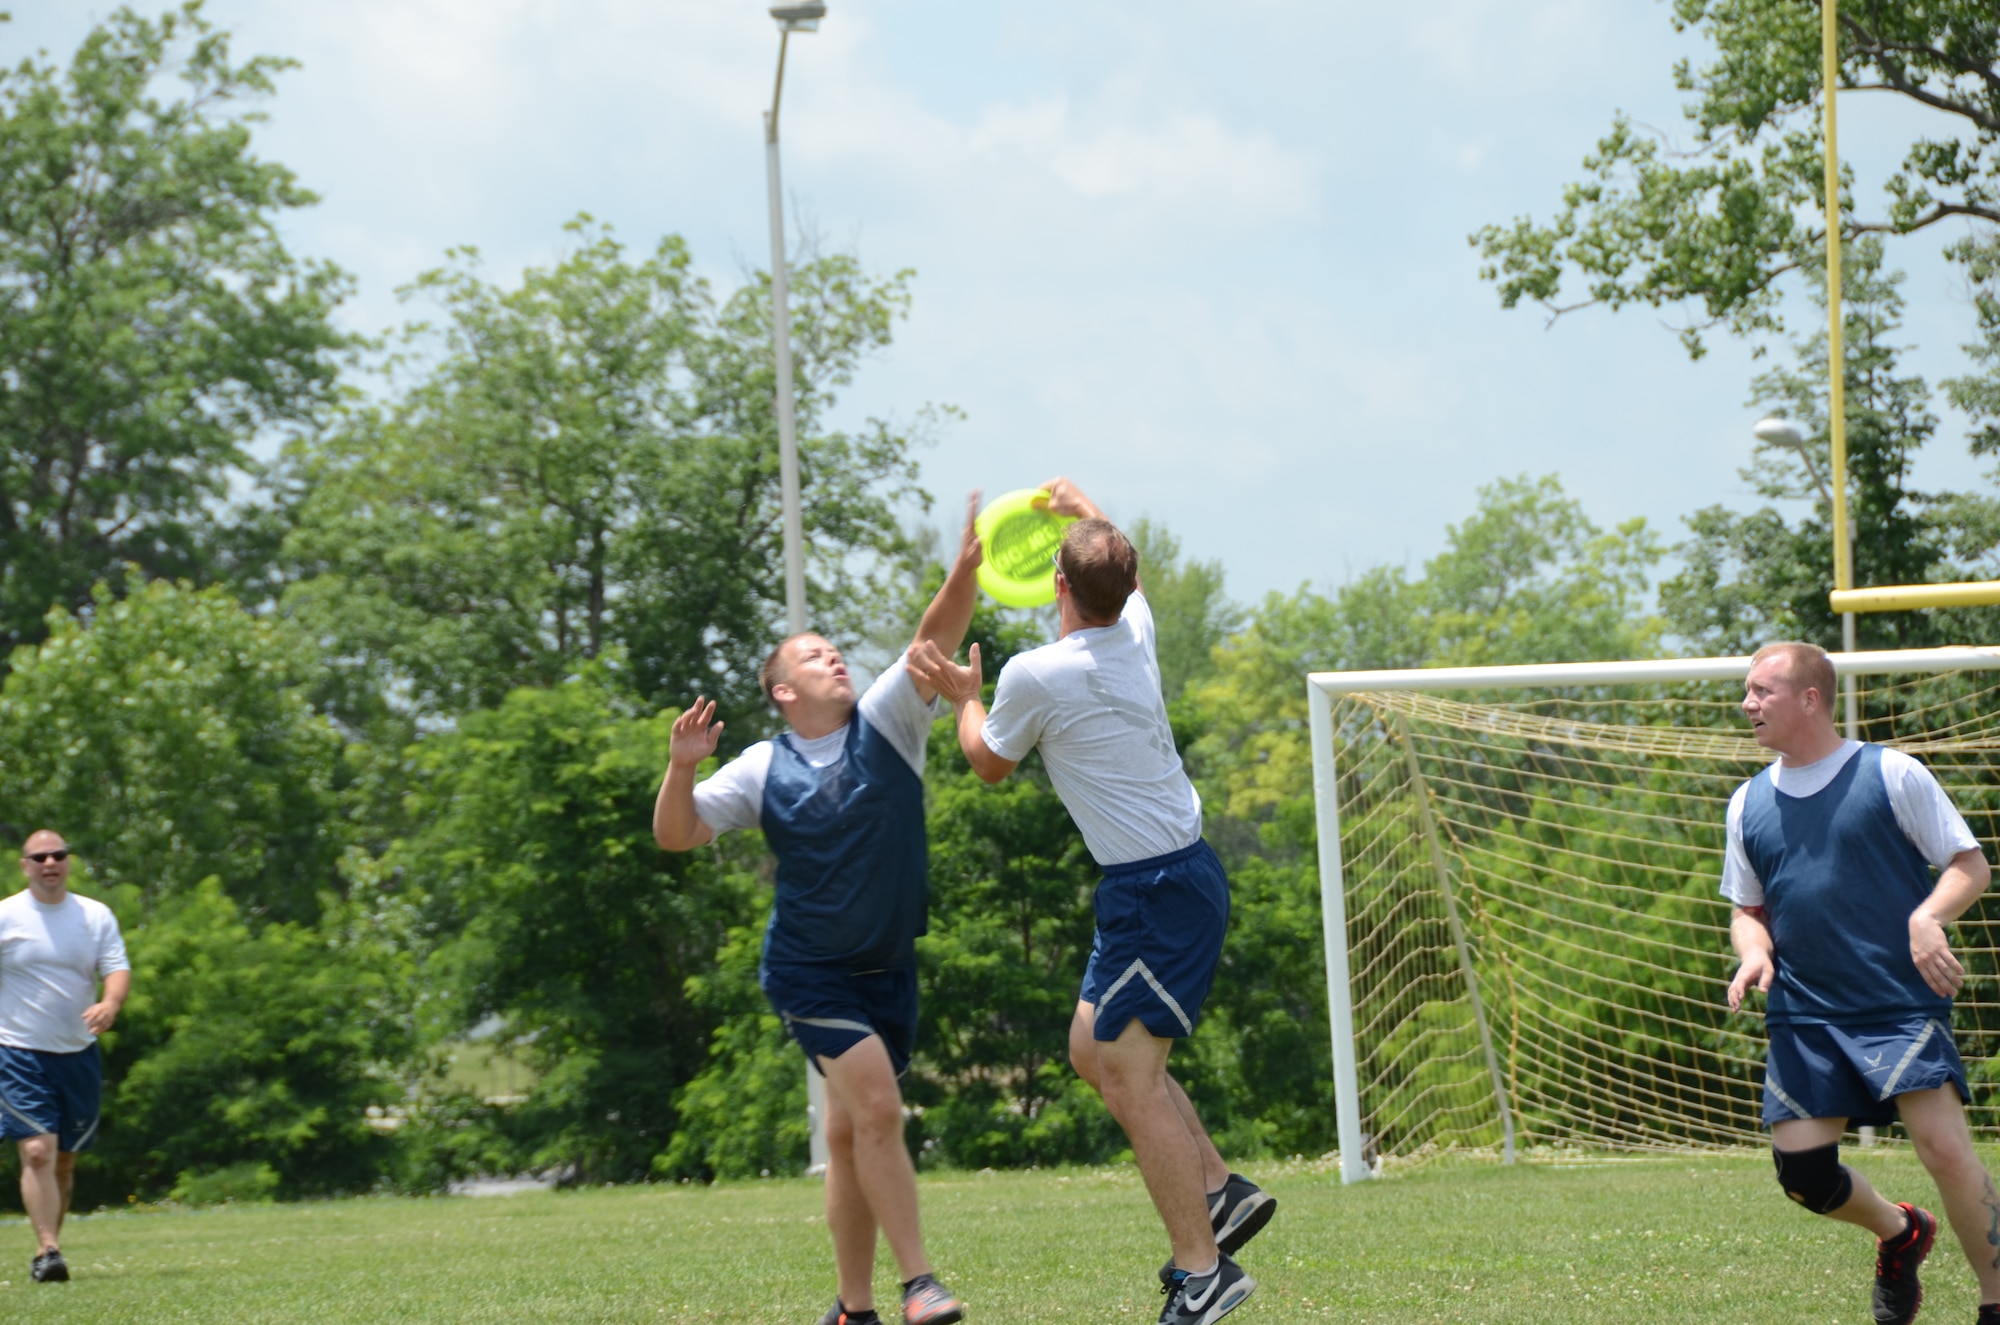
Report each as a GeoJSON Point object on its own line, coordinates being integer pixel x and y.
{"type": "Point", "coordinates": [1916, 1046]}
{"type": "Point", "coordinates": [832, 1023]}
{"type": "Point", "coordinates": [1139, 968]}
{"type": "Point", "coordinates": [1771, 1084]}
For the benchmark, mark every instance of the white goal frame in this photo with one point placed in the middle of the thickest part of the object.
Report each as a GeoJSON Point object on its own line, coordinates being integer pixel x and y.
{"type": "Point", "coordinates": [1321, 687]}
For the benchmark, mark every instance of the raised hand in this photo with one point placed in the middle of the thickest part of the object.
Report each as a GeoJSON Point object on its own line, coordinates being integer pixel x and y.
{"type": "Point", "coordinates": [1065, 498]}
{"type": "Point", "coordinates": [957, 684]}
{"type": "Point", "coordinates": [694, 738]}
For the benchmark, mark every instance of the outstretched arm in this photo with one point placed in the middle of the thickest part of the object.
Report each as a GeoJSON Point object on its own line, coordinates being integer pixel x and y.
{"type": "Point", "coordinates": [1751, 938]}
{"type": "Point", "coordinates": [1959, 885]}
{"type": "Point", "coordinates": [960, 687]}
{"type": "Point", "coordinates": [950, 613]}
{"type": "Point", "coordinates": [676, 826]}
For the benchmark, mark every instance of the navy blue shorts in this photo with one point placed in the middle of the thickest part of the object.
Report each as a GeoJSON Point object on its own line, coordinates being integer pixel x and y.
{"type": "Point", "coordinates": [44, 1092]}
{"type": "Point", "coordinates": [829, 1011]}
{"type": "Point", "coordinates": [1159, 937]}
{"type": "Point", "coordinates": [1856, 1072]}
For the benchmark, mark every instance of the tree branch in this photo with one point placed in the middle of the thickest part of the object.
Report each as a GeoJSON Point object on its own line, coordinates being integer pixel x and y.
{"type": "Point", "coordinates": [1937, 213]}
{"type": "Point", "coordinates": [1896, 79]}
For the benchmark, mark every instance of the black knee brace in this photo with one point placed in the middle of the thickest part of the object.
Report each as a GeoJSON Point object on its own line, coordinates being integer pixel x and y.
{"type": "Point", "coordinates": [1815, 1178]}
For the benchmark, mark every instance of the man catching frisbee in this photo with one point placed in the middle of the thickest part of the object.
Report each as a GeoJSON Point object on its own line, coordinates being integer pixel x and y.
{"type": "Point", "coordinates": [1091, 703]}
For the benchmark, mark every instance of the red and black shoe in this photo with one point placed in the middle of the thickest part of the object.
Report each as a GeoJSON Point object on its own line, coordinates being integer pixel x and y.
{"type": "Point", "coordinates": [1898, 1295]}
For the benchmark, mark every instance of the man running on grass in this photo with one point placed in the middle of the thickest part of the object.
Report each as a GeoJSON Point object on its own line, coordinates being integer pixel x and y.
{"type": "Point", "coordinates": [1838, 920]}
{"type": "Point", "coordinates": [840, 798]}
{"type": "Point", "coordinates": [54, 948]}
{"type": "Point", "coordinates": [1091, 701]}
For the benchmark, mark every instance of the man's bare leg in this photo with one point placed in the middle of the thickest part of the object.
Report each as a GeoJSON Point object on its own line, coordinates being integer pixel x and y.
{"type": "Point", "coordinates": [42, 1192]}
{"type": "Point", "coordinates": [1865, 1206]}
{"type": "Point", "coordinates": [1935, 1120]}
{"type": "Point", "coordinates": [1083, 1057]}
{"type": "Point", "coordinates": [848, 1217]}
{"type": "Point", "coordinates": [862, 1084]}
{"type": "Point", "coordinates": [1132, 1077]}
{"type": "Point", "coordinates": [66, 1180]}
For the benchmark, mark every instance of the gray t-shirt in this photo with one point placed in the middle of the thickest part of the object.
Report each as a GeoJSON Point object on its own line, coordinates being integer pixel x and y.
{"type": "Point", "coordinates": [50, 960]}
{"type": "Point", "coordinates": [1091, 701]}
{"type": "Point", "coordinates": [734, 796]}
{"type": "Point", "coordinates": [1924, 813]}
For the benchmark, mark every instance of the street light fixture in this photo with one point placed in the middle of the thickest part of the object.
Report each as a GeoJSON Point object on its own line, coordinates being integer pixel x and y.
{"type": "Point", "coordinates": [790, 19]}
{"type": "Point", "coordinates": [1785, 433]}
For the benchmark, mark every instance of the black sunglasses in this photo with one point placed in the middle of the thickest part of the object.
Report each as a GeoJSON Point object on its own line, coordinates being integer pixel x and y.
{"type": "Point", "coordinates": [43, 857]}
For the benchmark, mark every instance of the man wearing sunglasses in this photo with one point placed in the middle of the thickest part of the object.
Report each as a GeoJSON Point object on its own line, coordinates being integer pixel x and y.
{"type": "Point", "coordinates": [54, 948]}
{"type": "Point", "coordinates": [1091, 703]}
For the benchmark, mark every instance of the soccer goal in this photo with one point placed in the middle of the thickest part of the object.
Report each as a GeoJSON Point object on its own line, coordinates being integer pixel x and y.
{"type": "Point", "coordinates": [1526, 949]}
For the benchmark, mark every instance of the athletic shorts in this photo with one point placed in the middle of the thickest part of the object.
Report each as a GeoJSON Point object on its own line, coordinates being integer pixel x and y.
{"type": "Point", "coordinates": [829, 1011]}
{"type": "Point", "coordinates": [43, 1092]}
{"type": "Point", "coordinates": [1159, 937]}
{"type": "Point", "coordinates": [1856, 1072]}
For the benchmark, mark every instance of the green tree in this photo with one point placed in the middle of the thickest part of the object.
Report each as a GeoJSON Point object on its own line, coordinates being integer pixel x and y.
{"type": "Point", "coordinates": [169, 736]}
{"type": "Point", "coordinates": [585, 467]}
{"type": "Point", "coordinates": [1190, 606]}
{"type": "Point", "coordinates": [535, 867]}
{"type": "Point", "coordinates": [152, 323]}
{"type": "Point", "coordinates": [1753, 577]}
{"type": "Point", "coordinates": [1527, 577]}
{"type": "Point", "coordinates": [260, 1047]}
{"type": "Point", "coordinates": [1713, 228]}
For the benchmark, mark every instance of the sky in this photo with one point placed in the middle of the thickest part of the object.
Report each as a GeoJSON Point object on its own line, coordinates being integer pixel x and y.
{"type": "Point", "coordinates": [1209, 261]}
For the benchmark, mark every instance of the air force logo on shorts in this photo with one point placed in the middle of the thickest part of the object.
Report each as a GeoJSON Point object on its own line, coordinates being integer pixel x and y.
{"type": "Point", "coordinates": [1856, 1072]}
{"type": "Point", "coordinates": [43, 1093]}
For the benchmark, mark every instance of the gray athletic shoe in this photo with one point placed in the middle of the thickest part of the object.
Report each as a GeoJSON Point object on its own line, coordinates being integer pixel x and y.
{"type": "Point", "coordinates": [1205, 1300]}
{"type": "Point", "coordinates": [1239, 1212]}
{"type": "Point", "coordinates": [49, 1268]}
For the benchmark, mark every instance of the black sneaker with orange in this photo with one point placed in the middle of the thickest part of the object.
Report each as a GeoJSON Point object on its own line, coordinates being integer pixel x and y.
{"type": "Point", "coordinates": [1898, 1295]}
{"type": "Point", "coordinates": [838, 1314]}
{"type": "Point", "coordinates": [927, 1302]}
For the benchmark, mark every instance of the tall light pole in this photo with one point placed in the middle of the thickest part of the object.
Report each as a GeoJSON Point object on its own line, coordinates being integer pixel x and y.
{"type": "Point", "coordinates": [791, 18]}
{"type": "Point", "coordinates": [1785, 433]}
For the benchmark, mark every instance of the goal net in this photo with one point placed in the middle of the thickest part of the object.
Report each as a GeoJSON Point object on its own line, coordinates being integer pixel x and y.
{"type": "Point", "coordinates": [1526, 948]}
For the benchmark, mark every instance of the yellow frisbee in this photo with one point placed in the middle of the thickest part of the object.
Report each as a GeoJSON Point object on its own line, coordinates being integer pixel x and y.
{"type": "Point", "coordinates": [1020, 538]}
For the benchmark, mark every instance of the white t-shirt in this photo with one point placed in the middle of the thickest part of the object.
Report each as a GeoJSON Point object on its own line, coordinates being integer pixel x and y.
{"type": "Point", "coordinates": [734, 796]}
{"type": "Point", "coordinates": [1092, 702]}
{"type": "Point", "coordinates": [1924, 813]}
{"type": "Point", "coordinates": [50, 960]}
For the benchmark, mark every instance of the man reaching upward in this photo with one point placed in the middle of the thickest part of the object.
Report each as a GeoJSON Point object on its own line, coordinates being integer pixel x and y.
{"type": "Point", "coordinates": [1091, 702]}
{"type": "Point", "coordinates": [840, 798]}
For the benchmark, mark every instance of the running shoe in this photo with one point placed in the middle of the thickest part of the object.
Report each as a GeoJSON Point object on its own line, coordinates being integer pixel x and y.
{"type": "Point", "coordinates": [1204, 1300]}
{"type": "Point", "coordinates": [49, 1268]}
{"type": "Point", "coordinates": [1897, 1292]}
{"type": "Point", "coordinates": [1239, 1212]}
{"type": "Point", "coordinates": [838, 1314]}
{"type": "Point", "coordinates": [927, 1302]}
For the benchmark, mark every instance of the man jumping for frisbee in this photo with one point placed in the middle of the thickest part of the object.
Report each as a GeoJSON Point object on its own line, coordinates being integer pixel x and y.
{"type": "Point", "coordinates": [1091, 702]}
{"type": "Point", "coordinates": [840, 798]}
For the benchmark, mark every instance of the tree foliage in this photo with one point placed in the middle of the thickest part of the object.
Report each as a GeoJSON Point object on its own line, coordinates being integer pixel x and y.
{"type": "Point", "coordinates": [1713, 227]}
{"type": "Point", "coordinates": [169, 735]}
{"type": "Point", "coordinates": [1749, 578]}
{"type": "Point", "coordinates": [535, 866]}
{"type": "Point", "coordinates": [152, 322]}
{"type": "Point", "coordinates": [585, 467]}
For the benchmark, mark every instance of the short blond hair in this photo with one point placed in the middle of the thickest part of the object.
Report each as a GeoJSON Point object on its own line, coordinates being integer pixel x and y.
{"type": "Point", "coordinates": [1806, 666]}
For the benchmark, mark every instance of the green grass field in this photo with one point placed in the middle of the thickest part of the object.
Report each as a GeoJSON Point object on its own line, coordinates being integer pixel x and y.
{"type": "Point", "coordinates": [1706, 1242]}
